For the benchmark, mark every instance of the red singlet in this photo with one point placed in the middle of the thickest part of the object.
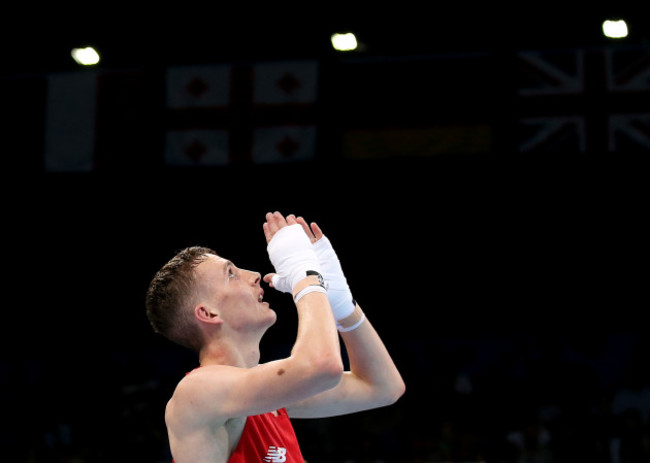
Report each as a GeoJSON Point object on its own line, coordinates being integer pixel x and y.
{"type": "Point", "coordinates": [268, 438]}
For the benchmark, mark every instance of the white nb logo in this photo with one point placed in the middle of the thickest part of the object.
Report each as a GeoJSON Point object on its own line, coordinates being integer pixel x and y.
{"type": "Point", "coordinates": [276, 454]}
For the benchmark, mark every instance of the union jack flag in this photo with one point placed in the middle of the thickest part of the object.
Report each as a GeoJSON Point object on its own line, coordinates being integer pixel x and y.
{"type": "Point", "coordinates": [584, 100]}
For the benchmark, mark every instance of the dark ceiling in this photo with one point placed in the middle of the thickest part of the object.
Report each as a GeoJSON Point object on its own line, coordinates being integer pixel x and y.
{"type": "Point", "coordinates": [40, 39]}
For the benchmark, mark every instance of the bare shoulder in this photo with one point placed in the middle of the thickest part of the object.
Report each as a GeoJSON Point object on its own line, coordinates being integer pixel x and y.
{"type": "Point", "coordinates": [191, 406]}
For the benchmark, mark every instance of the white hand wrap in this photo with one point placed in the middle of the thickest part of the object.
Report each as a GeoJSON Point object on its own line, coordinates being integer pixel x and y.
{"type": "Point", "coordinates": [338, 290]}
{"type": "Point", "coordinates": [292, 255]}
{"type": "Point", "coordinates": [307, 290]}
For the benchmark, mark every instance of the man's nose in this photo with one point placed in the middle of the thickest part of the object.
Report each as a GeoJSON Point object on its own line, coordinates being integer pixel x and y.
{"type": "Point", "coordinates": [256, 277]}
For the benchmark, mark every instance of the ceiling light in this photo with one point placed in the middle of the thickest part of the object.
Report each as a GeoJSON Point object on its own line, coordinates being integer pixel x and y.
{"type": "Point", "coordinates": [615, 29]}
{"type": "Point", "coordinates": [344, 41]}
{"type": "Point", "coordinates": [85, 56]}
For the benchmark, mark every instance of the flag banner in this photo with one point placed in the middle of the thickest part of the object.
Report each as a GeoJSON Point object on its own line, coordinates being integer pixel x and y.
{"type": "Point", "coordinates": [284, 144]}
{"type": "Point", "coordinates": [551, 73]}
{"type": "Point", "coordinates": [70, 109]}
{"type": "Point", "coordinates": [583, 100]}
{"type": "Point", "coordinates": [199, 147]}
{"type": "Point", "coordinates": [629, 132]}
{"type": "Point", "coordinates": [379, 143]}
{"type": "Point", "coordinates": [198, 86]}
{"type": "Point", "coordinates": [264, 111]}
{"type": "Point", "coordinates": [285, 82]}
{"type": "Point", "coordinates": [553, 134]}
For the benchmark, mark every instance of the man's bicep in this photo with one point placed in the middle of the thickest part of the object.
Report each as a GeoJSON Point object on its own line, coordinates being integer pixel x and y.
{"type": "Point", "coordinates": [222, 392]}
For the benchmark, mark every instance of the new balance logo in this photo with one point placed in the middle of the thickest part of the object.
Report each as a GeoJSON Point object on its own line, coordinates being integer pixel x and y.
{"type": "Point", "coordinates": [276, 454]}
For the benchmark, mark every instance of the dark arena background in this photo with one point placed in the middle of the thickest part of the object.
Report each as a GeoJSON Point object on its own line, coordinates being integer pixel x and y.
{"type": "Point", "coordinates": [481, 171]}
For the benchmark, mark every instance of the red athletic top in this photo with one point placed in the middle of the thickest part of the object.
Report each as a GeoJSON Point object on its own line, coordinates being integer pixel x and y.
{"type": "Point", "coordinates": [267, 438]}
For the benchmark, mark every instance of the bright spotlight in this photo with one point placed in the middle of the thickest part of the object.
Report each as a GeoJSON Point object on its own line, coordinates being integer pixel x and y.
{"type": "Point", "coordinates": [615, 29]}
{"type": "Point", "coordinates": [85, 56]}
{"type": "Point", "coordinates": [344, 42]}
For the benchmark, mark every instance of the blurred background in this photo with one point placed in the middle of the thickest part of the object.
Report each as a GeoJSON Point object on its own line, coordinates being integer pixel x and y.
{"type": "Point", "coordinates": [480, 169]}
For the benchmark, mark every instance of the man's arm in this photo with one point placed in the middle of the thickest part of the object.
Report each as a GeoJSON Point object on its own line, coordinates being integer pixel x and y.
{"type": "Point", "coordinates": [373, 380]}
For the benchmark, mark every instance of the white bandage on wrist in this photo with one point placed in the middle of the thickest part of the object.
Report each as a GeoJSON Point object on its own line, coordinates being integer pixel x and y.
{"type": "Point", "coordinates": [352, 321]}
{"type": "Point", "coordinates": [292, 255]}
{"type": "Point", "coordinates": [338, 290]}
{"type": "Point", "coordinates": [308, 289]}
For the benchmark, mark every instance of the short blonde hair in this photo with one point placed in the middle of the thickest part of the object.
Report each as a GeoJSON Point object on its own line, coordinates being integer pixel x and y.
{"type": "Point", "coordinates": [169, 294]}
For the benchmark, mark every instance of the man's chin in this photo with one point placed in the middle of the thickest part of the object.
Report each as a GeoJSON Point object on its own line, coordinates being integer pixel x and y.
{"type": "Point", "coordinates": [272, 318]}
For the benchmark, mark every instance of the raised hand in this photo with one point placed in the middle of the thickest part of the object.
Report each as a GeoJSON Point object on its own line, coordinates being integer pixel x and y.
{"type": "Point", "coordinates": [290, 251]}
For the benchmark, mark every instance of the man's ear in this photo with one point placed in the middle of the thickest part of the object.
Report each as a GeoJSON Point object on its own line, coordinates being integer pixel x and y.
{"type": "Point", "coordinates": [207, 314]}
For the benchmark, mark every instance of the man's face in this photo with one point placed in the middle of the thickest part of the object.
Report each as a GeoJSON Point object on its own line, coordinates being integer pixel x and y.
{"type": "Point", "coordinates": [235, 293]}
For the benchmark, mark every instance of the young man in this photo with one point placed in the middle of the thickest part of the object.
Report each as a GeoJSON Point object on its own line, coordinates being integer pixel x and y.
{"type": "Point", "coordinates": [234, 409]}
